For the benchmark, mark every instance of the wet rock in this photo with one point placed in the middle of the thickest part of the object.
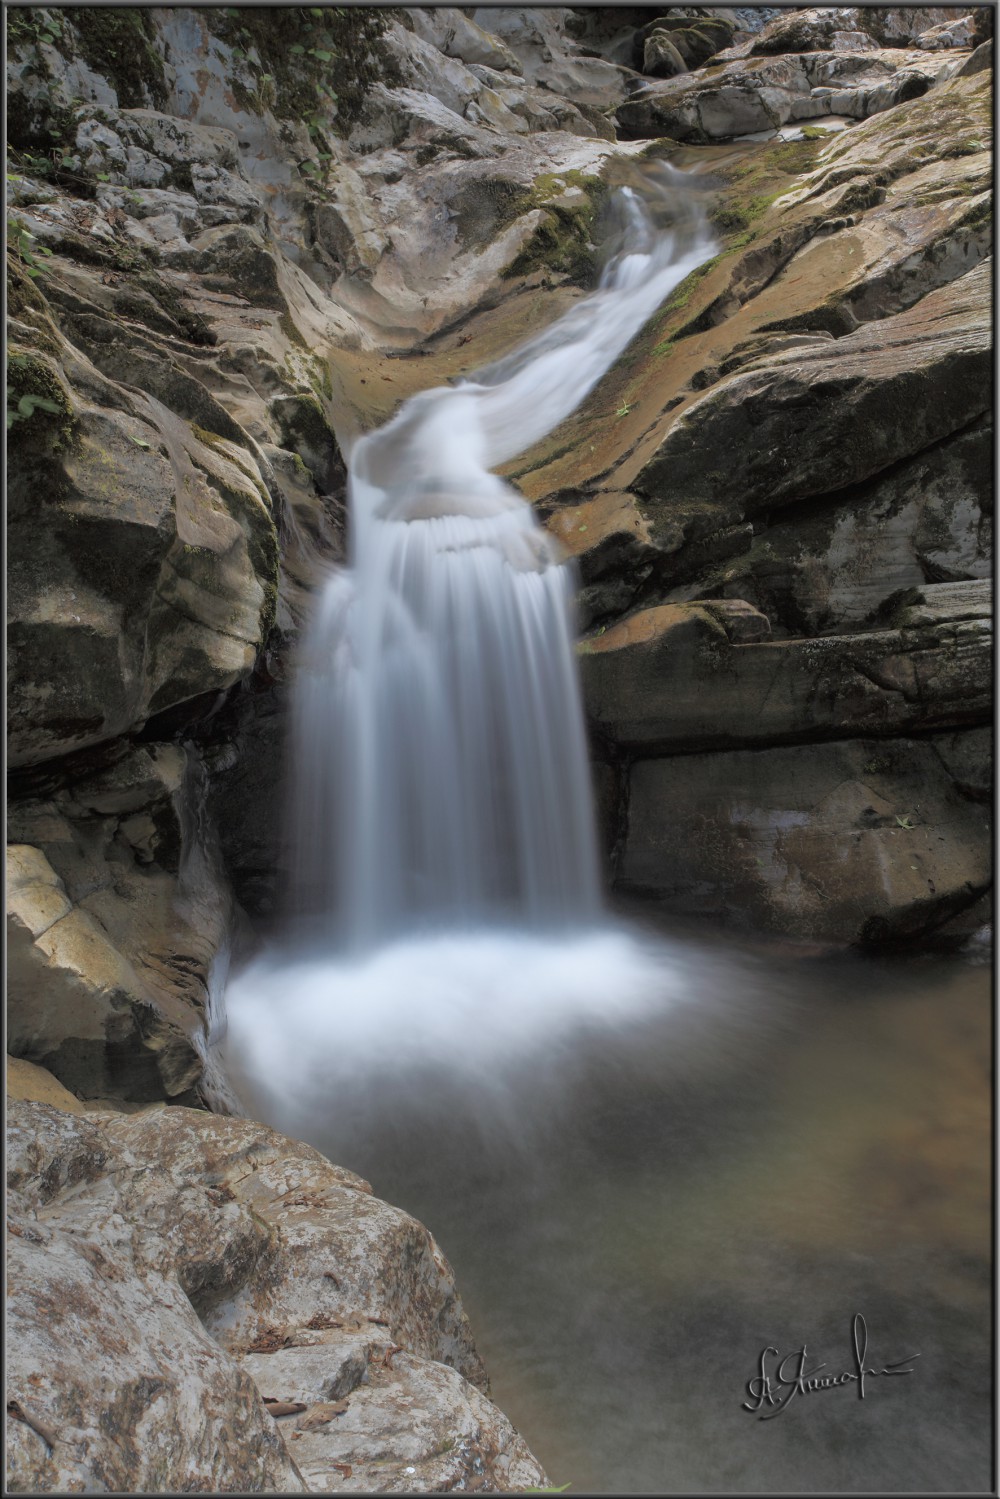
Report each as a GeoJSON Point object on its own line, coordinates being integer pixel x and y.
{"type": "Point", "coordinates": [170, 1270]}
{"type": "Point", "coordinates": [660, 58]}
{"type": "Point", "coordinates": [835, 564]}
{"type": "Point", "coordinates": [861, 841]}
{"type": "Point", "coordinates": [676, 677]}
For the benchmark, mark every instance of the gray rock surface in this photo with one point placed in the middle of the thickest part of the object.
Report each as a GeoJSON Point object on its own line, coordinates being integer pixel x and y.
{"type": "Point", "coordinates": [169, 1272]}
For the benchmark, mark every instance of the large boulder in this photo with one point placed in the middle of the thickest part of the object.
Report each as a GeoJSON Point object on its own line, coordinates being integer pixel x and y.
{"type": "Point", "coordinates": [753, 95]}
{"type": "Point", "coordinates": [862, 841]}
{"type": "Point", "coordinates": [819, 419]}
{"type": "Point", "coordinates": [117, 908]}
{"type": "Point", "coordinates": [142, 561]}
{"type": "Point", "coordinates": [169, 1273]}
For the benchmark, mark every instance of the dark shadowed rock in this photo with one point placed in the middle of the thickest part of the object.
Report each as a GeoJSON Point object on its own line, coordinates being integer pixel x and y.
{"type": "Point", "coordinates": [861, 841]}
{"type": "Point", "coordinates": [674, 677]}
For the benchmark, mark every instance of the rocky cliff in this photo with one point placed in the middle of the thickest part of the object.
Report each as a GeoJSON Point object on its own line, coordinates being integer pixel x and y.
{"type": "Point", "coordinates": [236, 238]}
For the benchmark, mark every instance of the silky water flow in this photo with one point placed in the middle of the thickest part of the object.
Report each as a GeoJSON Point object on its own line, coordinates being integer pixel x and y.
{"type": "Point", "coordinates": [648, 1157]}
{"type": "Point", "coordinates": [445, 904]}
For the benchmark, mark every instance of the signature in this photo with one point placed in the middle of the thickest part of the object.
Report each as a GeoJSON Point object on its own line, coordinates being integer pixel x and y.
{"type": "Point", "coordinates": [791, 1375]}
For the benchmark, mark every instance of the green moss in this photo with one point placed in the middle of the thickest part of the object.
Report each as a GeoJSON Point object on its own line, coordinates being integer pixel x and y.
{"type": "Point", "coordinates": [315, 64]}
{"type": "Point", "coordinates": [28, 374]}
{"type": "Point", "coordinates": [117, 42]}
{"type": "Point", "coordinates": [563, 240]}
{"type": "Point", "coordinates": [287, 325]}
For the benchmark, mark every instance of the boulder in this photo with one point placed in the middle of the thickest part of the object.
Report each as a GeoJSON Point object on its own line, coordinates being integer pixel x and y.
{"type": "Point", "coordinates": [835, 566]}
{"type": "Point", "coordinates": [170, 1272]}
{"type": "Point", "coordinates": [452, 32]}
{"type": "Point", "coordinates": [660, 58]}
{"type": "Point", "coordinates": [756, 95]}
{"type": "Point", "coordinates": [117, 910]}
{"type": "Point", "coordinates": [146, 579]}
{"type": "Point", "coordinates": [817, 420]}
{"type": "Point", "coordinates": [859, 841]}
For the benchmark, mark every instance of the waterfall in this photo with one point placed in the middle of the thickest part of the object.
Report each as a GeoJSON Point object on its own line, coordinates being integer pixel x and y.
{"type": "Point", "coordinates": [448, 928]}
{"type": "Point", "coordinates": [441, 774]}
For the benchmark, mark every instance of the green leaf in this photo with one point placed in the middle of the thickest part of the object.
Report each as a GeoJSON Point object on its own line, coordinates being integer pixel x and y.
{"type": "Point", "coordinates": [139, 442]}
{"type": "Point", "coordinates": [29, 404]}
{"type": "Point", "coordinates": [296, 49]}
{"type": "Point", "coordinates": [321, 54]}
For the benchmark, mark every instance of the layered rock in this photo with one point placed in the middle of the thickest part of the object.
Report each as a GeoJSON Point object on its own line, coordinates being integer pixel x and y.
{"type": "Point", "coordinates": [176, 474]}
{"type": "Point", "coordinates": [170, 1274]}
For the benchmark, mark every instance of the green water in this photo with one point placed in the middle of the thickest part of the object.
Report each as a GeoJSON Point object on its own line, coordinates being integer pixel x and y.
{"type": "Point", "coordinates": [800, 1141]}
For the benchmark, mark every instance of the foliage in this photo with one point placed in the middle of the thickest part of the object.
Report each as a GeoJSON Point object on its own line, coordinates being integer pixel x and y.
{"type": "Point", "coordinates": [20, 244]}
{"type": "Point", "coordinates": [308, 63]}
{"type": "Point", "coordinates": [30, 25]}
{"type": "Point", "coordinates": [26, 406]}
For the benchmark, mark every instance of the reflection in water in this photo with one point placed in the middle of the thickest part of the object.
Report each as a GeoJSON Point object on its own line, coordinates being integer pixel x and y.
{"type": "Point", "coordinates": [807, 1140]}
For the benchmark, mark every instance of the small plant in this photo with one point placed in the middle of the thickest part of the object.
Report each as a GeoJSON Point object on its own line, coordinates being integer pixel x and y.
{"type": "Point", "coordinates": [27, 406]}
{"type": "Point", "coordinates": [623, 410]}
{"type": "Point", "coordinates": [29, 26]}
{"type": "Point", "coordinates": [904, 822]}
{"type": "Point", "coordinates": [20, 244]}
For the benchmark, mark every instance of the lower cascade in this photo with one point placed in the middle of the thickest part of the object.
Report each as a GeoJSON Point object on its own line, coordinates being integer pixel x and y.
{"type": "Point", "coordinates": [445, 860]}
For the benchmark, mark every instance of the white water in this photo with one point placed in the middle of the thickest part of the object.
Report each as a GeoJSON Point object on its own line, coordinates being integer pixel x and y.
{"type": "Point", "coordinates": [446, 883]}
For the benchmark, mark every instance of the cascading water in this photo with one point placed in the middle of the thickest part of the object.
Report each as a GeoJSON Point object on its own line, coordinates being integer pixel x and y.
{"type": "Point", "coordinates": [442, 819]}
{"type": "Point", "coordinates": [441, 771]}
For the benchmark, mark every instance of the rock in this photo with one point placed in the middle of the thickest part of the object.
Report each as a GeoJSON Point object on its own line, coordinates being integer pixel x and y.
{"type": "Point", "coordinates": [610, 540]}
{"type": "Point", "coordinates": [980, 61]}
{"type": "Point", "coordinates": [696, 38]}
{"type": "Point", "coordinates": [453, 33]}
{"type": "Point", "coordinates": [76, 1003]}
{"type": "Point", "coordinates": [676, 677]}
{"type": "Point", "coordinates": [836, 565]}
{"type": "Point", "coordinates": [547, 55]}
{"type": "Point", "coordinates": [758, 94]}
{"type": "Point", "coordinates": [899, 25]}
{"type": "Point", "coordinates": [26, 1081]}
{"type": "Point", "coordinates": [660, 58]}
{"type": "Point", "coordinates": [861, 841]}
{"type": "Point", "coordinates": [151, 577]}
{"type": "Point", "coordinates": [119, 917]}
{"type": "Point", "coordinates": [833, 30]}
{"type": "Point", "coordinates": [168, 1272]}
{"type": "Point", "coordinates": [900, 384]}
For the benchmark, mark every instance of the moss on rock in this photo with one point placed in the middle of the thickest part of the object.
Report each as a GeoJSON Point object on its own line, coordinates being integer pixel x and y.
{"type": "Point", "coordinates": [117, 42]}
